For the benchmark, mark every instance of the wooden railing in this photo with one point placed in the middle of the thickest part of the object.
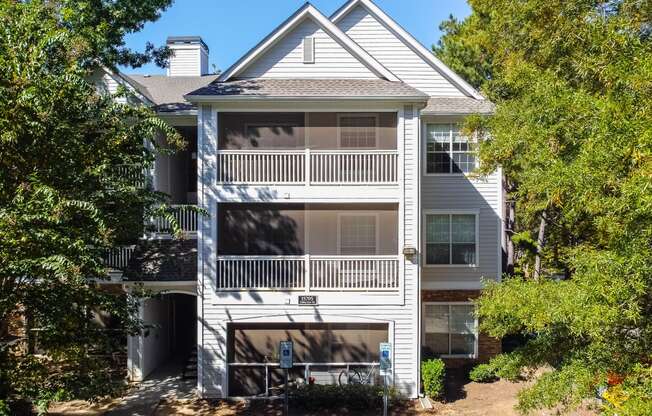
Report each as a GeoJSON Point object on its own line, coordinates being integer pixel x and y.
{"type": "Point", "coordinates": [307, 167]}
{"type": "Point", "coordinates": [131, 174]}
{"type": "Point", "coordinates": [365, 167]}
{"type": "Point", "coordinates": [309, 273]}
{"type": "Point", "coordinates": [255, 167]}
{"type": "Point", "coordinates": [183, 214]}
{"type": "Point", "coordinates": [118, 258]}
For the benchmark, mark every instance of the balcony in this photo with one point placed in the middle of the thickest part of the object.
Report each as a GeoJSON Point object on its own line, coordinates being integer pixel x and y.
{"type": "Point", "coordinates": [308, 273]}
{"type": "Point", "coordinates": [185, 217]}
{"type": "Point", "coordinates": [312, 148]}
{"type": "Point", "coordinates": [308, 167]}
{"type": "Point", "coordinates": [308, 247]}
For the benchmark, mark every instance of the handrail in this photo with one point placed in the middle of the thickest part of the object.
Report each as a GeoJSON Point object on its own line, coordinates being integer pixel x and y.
{"type": "Point", "coordinates": [308, 167]}
{"type": "Point", "coordinates": [308, 273]}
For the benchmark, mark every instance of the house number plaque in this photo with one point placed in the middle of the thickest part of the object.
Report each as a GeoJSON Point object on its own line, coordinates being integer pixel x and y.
{"type": "Point", "coordinates": [307, 300]}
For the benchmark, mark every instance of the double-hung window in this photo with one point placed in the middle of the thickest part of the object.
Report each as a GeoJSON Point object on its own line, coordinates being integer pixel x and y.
{"type": "Point", "coordinates": [447, 150]}
{"type": "Point", "coordinates": [358, 130]}
{"type": "Point", "coordinates": [449, 329]}
{"type": "Point", "coordinates": [451, 239]}
{"type": "Point", "coordinates": [358, 234]}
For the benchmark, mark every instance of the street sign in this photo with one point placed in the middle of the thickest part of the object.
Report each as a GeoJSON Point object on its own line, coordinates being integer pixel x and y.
{"type": "Point", "coordinates": [385, 367]}
{"type": "Point", "coordinates": [385, 356]}
{"type": "Point", "coordinates": [285, 354]}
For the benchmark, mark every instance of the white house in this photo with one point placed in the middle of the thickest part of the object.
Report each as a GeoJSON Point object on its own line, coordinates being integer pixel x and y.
{"type": "Point", "coordinates": [342, 209]}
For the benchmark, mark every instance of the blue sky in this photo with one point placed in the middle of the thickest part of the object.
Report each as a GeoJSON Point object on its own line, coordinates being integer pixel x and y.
{"type": "Point", "coordinates": [232, 27]}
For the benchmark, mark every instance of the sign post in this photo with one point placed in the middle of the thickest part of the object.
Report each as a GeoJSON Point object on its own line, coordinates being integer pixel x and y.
{"type": "Point", "coordinates": [385, 368]}
{"type": "Point", "coordinates": [285, 358]}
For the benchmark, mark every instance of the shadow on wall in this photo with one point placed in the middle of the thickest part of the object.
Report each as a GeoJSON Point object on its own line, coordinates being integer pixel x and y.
{"type": "Point", "coordinates": [313, 343]}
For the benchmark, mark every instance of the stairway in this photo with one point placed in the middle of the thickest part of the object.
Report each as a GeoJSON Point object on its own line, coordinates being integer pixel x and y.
{"type": "Point", "coordinates": [190, 366]}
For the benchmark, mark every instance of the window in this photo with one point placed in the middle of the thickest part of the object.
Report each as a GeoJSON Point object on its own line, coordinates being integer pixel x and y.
{"type": "Point", "coordinates": [308, 50]}
{"type": "Point", "coordinates": [447, 150]}
{"type": "Point", "coordinates": [449, 329]}
{"type": "Point", "coordinates": [357, 131]}
{"type": "Point", "coordinates": [451, 239]}
{"type": "Point", "coordinates": [358, 234]}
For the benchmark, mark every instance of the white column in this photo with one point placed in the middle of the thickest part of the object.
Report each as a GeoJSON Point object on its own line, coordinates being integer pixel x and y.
{"type": "Point", "coordinates": [209, 378]}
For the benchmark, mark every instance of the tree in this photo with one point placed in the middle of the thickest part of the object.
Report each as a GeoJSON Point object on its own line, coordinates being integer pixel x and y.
{"type": "Point", "coordinates": [63, 201]}
{"type": "Point", "coordinates": [572, 81]}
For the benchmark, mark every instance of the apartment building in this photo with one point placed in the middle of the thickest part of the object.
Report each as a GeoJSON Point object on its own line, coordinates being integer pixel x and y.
{"type": "Point", "coordinates": [343, 211]}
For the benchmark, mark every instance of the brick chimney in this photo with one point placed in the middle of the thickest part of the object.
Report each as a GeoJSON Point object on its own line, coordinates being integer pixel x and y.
{"type": "Point", "coordinates": [190, 57]}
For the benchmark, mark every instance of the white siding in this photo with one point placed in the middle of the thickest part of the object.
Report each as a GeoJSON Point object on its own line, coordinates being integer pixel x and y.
{"type": "Point", "coordinates": [217, 312]}
{"type": "Point", "coordinates": [285, 58]}
{"type": "Point", "coordinates": [187, 61]}
{"type": "Point", "coordinates": [459, 192]}
{"type": "Point", "coordinates": [379, 41]}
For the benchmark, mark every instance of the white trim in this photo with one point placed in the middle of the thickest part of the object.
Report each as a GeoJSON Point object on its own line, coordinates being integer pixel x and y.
{"type": "Point", "coordinates": [450, 152]}
{"type": "Point", "coordinates": [309, 40]}
{"type": "Point", "coordinates": [308, 11]}
{"type": "Point", "coordinates": [301, 98]}
{"type": "Point", "coordinates": [339, 130]}
{"type": "Point", "coordinates": [376, 217]}
{"type": "Point", "coordinates": [476, 331]}
{"type": "Point", "coordinates": [411, 42]}
{"type": "Point", "coordinates": [450, 213]}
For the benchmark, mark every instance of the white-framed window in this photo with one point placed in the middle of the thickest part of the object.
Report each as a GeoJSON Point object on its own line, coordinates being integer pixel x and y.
{"type": "Point", "coordinates": [357, 234]}
{"type": "Point", "coordinates": [450, 329]}
{"type": "Point", "coordinates": [447, 150]}
{"type": "Point", "coordinates": [451, 238]}
{"type": "Point", "coordinates": [308, 50]}
{"type": "Point", "coordinates": [359, 131]}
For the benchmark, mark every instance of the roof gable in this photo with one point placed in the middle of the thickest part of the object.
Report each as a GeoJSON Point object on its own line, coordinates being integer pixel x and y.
{"type": "Point", "coordinates": [399, 51]}
{"type": "Point", "coordinates": [306, 20]}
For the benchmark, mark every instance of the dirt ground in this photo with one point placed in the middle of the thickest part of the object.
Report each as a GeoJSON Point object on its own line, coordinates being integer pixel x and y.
{"type": "Point", "coordinates": [467, 399]}
{"type": "Point", "coordinates": [463, 398]}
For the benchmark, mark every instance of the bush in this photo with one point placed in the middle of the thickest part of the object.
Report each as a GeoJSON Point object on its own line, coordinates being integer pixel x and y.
{"type": "Point", "coordinates": [483, 373]}
{"type": "Point", "coordinates": [332, 396]}
{"type": "Point", "coordinates": [432, 375]}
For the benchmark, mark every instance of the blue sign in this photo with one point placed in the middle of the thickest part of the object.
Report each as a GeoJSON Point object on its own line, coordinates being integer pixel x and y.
{"type": "Point", "coordinates": [385, 356]}
{"type": "Point", "coordinates": [285, 354]}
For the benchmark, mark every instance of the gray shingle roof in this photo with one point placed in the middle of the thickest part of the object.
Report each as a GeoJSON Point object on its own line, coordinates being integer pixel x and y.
{"type": "Point", "coordinates": [309, 88]}
{"type": "Point", "coordinates": [163, 260]}
{"type": "Point", "coordinates": [167, 92]}
{"type": "Point", "coordinates": [457, 105]}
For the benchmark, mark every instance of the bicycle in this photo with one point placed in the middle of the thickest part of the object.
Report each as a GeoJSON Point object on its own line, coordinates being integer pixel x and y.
{"type": "Point", "coordinates": [366, 375]}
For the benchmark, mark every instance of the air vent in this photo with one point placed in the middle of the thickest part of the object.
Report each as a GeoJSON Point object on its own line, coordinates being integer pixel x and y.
{"type": "Point", "coordinates": [308, 50]}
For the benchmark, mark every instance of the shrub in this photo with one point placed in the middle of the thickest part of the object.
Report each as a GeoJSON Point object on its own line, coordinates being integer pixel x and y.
{"type": "Point", "coordinates": [432, 374]}
{"type": "Point", "coordinates": [483, 373]}
{"type": "Point", "coordinates": [332, 396]}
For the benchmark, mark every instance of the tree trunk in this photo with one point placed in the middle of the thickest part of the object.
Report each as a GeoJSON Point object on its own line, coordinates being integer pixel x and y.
{"type": "Point", "coordinates": [510, 223]}
{"type": "Point", "coordinates": [540, 244]}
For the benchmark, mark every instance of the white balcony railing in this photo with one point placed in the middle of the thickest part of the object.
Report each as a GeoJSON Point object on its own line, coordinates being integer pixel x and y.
{"type": "Point", "coordinates": [309, 167]}
{"type": "Point", "coordinates": [309, 273]}
{"type": "Point", "coordinates": [118, 258]}
{"type": "Point", "coordinates": [185, 217]}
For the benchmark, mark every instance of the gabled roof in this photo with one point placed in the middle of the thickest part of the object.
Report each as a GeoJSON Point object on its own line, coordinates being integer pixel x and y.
{"type": "Point", "coordinates": [409, 40]}
{"type": "Point", "coordinates": [308, 11]}
{"type": "Point", "coordinates": [167, 93]}
{"type": "Point", "coordinates": [315, 89]}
